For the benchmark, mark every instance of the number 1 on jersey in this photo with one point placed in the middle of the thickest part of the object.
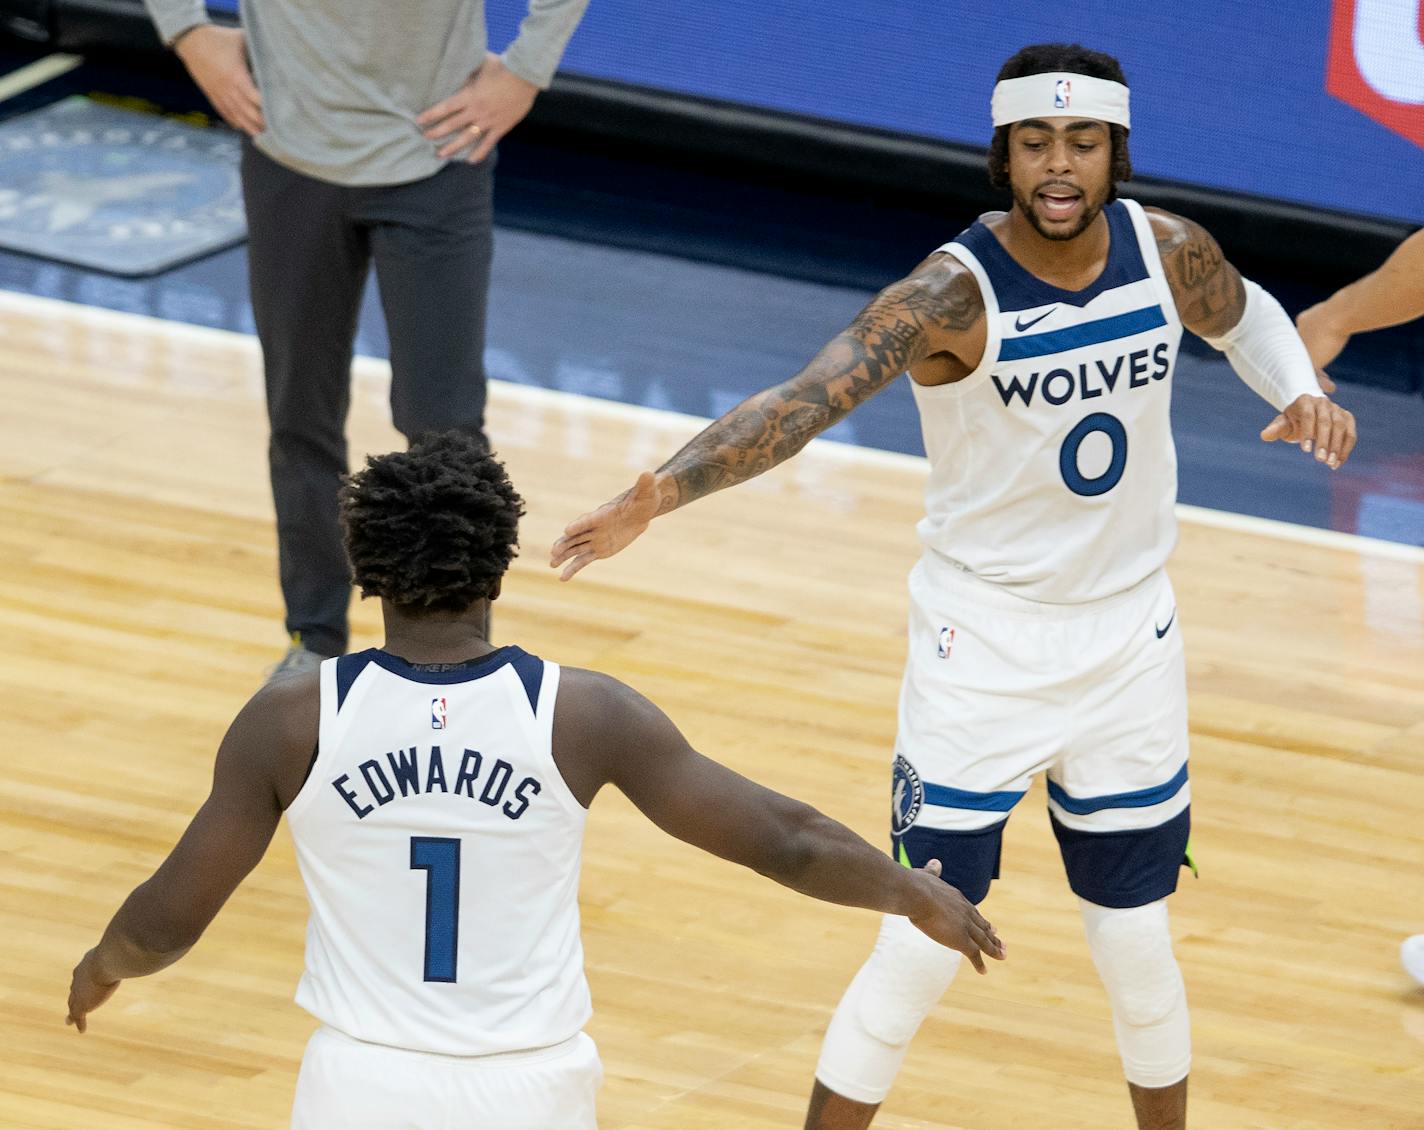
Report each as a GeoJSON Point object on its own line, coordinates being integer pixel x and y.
{"type": "Point", "coordinates": [439, 858]}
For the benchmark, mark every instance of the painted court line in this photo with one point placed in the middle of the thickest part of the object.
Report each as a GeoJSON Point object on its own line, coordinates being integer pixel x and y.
{"type": "Point", "coordinates": [37, 73]}
{"type": "Point", "coordinates": [537, 396]}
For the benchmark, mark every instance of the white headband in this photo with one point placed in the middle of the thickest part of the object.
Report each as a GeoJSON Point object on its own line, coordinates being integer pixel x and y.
{"type": "Point", "coordinates": [1059, 95]}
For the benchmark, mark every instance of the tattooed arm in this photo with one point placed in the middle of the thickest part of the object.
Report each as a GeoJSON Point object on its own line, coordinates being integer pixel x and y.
{"type": "Point", "coordinates": [1209, 292]}
{"type": "Point", "coordinates": [1248, 325]}
{"type": "Point", "coordinates": [936, 310]}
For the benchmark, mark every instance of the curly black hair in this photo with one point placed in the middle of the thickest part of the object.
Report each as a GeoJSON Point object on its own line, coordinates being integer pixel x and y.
{"type": "Point", "coordinates": [431, 529]}
{"type": "Point", "coordinates": [1045, 58]}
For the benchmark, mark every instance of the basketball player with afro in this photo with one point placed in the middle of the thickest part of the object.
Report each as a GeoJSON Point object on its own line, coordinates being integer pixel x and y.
{"type": "Point", "coordinates": [1043, 631]}
{"type": "Point", "coordinates": [436, 790]}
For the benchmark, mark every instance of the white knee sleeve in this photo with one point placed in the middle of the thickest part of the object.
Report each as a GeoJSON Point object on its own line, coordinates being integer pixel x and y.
{"type": "Point", "coordinates": [1133, 952]}
{"type": "Point", "coordinates": [883, 1008]}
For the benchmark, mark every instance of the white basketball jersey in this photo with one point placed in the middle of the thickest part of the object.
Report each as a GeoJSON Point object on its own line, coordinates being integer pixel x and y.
{"type": "Point", "coordinates": [440, 849]}
{"type": "Point", "coordinates": [1052, 468]}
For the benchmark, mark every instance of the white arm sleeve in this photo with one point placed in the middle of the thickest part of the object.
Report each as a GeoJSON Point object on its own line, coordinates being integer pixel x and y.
{"type": "Point", "coordinates": [1266, 351]}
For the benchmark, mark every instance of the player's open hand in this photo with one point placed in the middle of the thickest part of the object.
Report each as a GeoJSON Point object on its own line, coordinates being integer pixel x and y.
{"type": "Point", "coordinates": [952, 920]}
{"type": "Point", "coordinates": [610, 528]}
{"type": "Point", "coordinates": [216, 57]}
{"type": "Point", "coordinates": [491, 103]}
{"type": "Point", "coordinates": [1318, 424]}
{"type": "Point", "coordinates": [86, 992]}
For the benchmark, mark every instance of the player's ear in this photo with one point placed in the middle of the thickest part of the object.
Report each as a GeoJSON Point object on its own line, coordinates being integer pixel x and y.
{"type": "Point", "coordinates": [494, 588]}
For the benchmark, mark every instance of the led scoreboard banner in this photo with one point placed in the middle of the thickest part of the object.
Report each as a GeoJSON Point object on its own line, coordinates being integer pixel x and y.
{"type": "Point", "coordinates": [1316, 104]}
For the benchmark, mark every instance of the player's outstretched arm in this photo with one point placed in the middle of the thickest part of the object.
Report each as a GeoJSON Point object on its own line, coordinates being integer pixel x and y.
{"type": "Point", "coordinates": [605, 732]}
{"type": "Point", "coordinates": [1239, 318]}
{"type": "Point", "coordinates": [165, 915]}
{"type": "Point", "coordinates": [936, 309]}
{"type": "Point", "coordinates": [1389, 296]}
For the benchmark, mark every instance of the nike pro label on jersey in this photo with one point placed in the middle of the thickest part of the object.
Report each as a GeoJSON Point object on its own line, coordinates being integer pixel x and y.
{"type": "Point", "coordinates": [415, 772]}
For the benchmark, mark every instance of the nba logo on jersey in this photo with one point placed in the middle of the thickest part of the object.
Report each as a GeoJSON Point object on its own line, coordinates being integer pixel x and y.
{"type": "Point", "coordinates": [437, 713]}
{"type": "Point", "coordinates": [946, 642]}
{"type": "Point", "coordinates": [1062, 91]}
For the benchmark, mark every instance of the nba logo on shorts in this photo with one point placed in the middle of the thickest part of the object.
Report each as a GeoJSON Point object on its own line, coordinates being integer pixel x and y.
{"type": "Point", "coordinates": [946, 642]}
{"type": "Point", "coordinates": [1062, 92]}
{"type": "Point", "coordinates": [437, 713]}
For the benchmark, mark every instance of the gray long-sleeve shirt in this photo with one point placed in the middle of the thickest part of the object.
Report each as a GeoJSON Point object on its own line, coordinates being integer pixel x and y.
{"type": "Point", "coordinates": [343, 80]}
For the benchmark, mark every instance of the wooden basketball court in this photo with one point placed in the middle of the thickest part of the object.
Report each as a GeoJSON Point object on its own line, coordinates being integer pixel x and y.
{"type": "Point", "coordinates": [139, 606]}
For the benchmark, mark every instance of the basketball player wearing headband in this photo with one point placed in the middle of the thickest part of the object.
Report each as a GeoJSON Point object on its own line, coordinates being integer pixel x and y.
{"type": "Point", "coordinates": [1043, 633]}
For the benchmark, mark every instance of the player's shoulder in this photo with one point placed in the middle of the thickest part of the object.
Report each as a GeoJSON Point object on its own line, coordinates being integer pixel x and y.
{"type": "Point", "coordinates": [599, 723]}
{"type": "Point", "coordinates": [594, 697]}
{"type": "Point", "coordinates": [285, 713]}
{"type": "Point", "coordinates": [942, 289]}
{"type": "Point", "coordinates": [1173, 232]}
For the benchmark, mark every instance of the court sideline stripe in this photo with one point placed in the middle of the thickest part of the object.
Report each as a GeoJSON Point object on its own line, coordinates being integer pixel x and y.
{"type": "Point", "coordinates": [377, 368]}
{"type": "Point", "coordinates": [37, 73]}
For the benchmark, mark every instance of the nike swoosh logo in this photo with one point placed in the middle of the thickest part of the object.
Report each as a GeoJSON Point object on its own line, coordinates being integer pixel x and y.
{"type": "Point", "coordinates": [1021, 325]}
{"type": "Point", "coordinates": [1162, 631]}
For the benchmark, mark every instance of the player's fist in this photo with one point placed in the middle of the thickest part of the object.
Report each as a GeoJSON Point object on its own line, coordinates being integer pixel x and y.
{"type": "Point", "coordinates": [1323, 339]}
{"type": "Point", "coordinates": [1317, 424]}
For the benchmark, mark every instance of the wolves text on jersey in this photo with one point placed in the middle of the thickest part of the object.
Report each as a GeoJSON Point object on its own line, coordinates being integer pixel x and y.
{"type": "Point", "coordinates": [1058, 386]}
{"type": "Point", "coordinates": [413, 772]}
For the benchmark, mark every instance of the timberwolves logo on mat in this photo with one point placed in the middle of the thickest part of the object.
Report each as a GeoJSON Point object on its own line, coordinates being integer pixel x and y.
{"type": "Point", "coordinates": [907, 796]}
{"type": "Point", "coordinates": [117, 190]}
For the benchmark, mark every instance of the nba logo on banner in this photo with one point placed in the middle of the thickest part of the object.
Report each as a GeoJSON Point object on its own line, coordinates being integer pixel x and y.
{"type": "Point", "coordinates": [437, 713]}
{"type": "Point", "coordinates": [946, 642]}
{"type": "Point", "coordinates": [1062, 91]}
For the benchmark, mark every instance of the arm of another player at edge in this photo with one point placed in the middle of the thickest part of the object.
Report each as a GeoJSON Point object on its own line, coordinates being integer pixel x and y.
{"type": "Point", "coordinates": [1389, 296]}
{"type": "Point", "coordinates": [936, 309]}
{"type": "Point", "coordinates": [605, 732]}
{"type": "Point", "coordinates": [272, 736]}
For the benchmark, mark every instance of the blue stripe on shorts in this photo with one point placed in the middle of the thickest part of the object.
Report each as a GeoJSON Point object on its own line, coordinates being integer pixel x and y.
{"type": "Point", "coordinates": [942, 796]}
{"type": "Point", "coordinates": [1141, 798]}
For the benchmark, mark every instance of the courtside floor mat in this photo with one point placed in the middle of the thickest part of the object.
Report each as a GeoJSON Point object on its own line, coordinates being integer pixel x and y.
{"type": "Point", "coordinates": [116, 190]}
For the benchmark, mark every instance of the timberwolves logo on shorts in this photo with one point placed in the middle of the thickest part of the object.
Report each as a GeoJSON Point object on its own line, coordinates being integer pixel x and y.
{"type": "Point", "coordinates": [907, 796]}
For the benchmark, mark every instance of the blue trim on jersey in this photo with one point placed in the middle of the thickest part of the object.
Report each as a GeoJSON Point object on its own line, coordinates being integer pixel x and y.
{"type": "Point", "coordinates": [1088, 333]}
{"type": "Point", "coordinates": [945, 797]}
{"type": "Point", "coordinates": [530, 669]}
{"type": "Point", "coordinates": [1017, 289]}
{"type": "Point", "coordinates": [1142, 798]}
{"type": "Point", "coordinates": [465, 673]}
{"type": "Point", "coordinates": [347, 668]}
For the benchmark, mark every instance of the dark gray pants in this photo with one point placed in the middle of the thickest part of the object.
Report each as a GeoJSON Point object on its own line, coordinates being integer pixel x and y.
{"type": "Point", "coordinates": [310, 245]}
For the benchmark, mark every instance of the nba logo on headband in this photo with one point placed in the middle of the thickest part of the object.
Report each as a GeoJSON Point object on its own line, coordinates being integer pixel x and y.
{"type": "Point", "coordinates": [1059, 93]}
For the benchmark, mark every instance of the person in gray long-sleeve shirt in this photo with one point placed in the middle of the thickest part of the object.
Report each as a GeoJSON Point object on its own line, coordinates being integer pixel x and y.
{"type": "Point", "coordinates": [371, 129]}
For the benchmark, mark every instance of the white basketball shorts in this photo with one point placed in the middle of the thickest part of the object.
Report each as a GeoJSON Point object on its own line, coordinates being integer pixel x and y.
{"type": "Point", "coordinates": [346, 1084]}
{"type": "Point", "coordinates": [998, 689]}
